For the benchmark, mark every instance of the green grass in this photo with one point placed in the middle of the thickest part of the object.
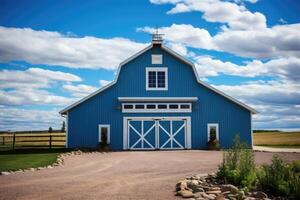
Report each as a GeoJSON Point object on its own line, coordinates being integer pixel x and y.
{"type": "Point", "coordinates": [277, 139]}
{"type": "Point", "coordinates": [24, 159]}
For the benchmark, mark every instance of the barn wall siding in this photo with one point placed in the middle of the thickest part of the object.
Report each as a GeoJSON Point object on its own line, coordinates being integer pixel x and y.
{"type": "Point", "coordinates": [104, 108]}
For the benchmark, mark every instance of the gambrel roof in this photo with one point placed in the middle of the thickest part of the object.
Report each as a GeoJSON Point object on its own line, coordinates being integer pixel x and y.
{"type": "Point", "coordinates": [65, 110]}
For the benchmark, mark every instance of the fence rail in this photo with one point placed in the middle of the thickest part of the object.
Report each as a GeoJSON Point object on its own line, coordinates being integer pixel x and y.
{"type": "Point", "coordinates": [30, 140]}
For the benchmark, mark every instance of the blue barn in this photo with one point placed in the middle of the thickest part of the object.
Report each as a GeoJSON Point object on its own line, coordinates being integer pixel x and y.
{"type": "Point", "coordinates": [157, 101]}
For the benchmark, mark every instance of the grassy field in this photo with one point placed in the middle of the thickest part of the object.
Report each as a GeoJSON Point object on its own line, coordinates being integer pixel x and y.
{"type": "Point", "coordinates": [31, 140]}
{"type": "Point", "coordinates": [277, 139]}
{"type": "Point", "coordinates": [24, 159]}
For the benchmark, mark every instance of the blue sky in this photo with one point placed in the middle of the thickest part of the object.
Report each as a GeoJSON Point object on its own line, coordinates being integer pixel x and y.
{"type": "Point", "coordinates": [53, 53]}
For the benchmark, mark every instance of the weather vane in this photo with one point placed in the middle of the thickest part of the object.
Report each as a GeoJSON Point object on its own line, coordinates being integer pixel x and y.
{"type": "Point", "coordinates": [157, 36]}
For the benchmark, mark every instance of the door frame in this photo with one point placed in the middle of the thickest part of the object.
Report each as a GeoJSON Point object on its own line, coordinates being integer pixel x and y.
{"type": "Point", "coordinates": [108, 132]}
{"type": "Point", "coordinates": [187, 135]}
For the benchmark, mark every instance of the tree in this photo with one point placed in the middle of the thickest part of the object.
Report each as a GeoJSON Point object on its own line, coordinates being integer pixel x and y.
{"type": "Point", "coordinates": [50, 130]}
{"type": "Point", "coordinates": [63, 127]}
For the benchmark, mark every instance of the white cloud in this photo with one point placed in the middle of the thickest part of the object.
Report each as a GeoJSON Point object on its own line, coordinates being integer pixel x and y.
{"type": "Point", "coordinates": [33, 78]}
{"type": "Point", "coordinates": [80, 90]}
{"type": "Point", "coordinates": [277, 41]}
{"type": "Point", "coordinates": [277, 101]}
{"type": "Point", "coordinates": [235, 16]}
{"type": "Point", "coordinates": [53, 48]}
{"type": "Point", "coordinates": [284, 68]}
{"type": "Point", "coordinates": [32, 97]}
{"type": "Point", "coordinates": [185, 34]}
{"type": "Point", "coordinates": [280, 40]}
{"type": "Point", "coordinates": [29, 119]}
{"type": "Point", "coordinates": [28, 87]}
{"type": "Point", "coordinates": [265, 92]}
{"type": "Point", "coordinates": [104, 82]}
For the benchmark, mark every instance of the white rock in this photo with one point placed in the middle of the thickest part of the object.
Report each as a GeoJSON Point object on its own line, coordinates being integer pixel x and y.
{"type": "Point", "coordinates": [5, 173]}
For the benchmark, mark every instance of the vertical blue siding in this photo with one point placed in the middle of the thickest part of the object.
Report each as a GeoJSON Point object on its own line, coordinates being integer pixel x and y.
{"type": "Point", "coordinates": [104, 108]}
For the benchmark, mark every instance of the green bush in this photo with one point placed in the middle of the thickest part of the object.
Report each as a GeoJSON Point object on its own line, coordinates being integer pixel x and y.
{"type": "Point", "coordinates": [280, 178]}
{"type": "Point", "coordinates": [238, 166]}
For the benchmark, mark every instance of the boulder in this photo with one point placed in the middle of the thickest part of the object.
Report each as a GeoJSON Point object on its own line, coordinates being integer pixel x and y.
{"type": "Point", "coordinates": [214, 192]}
{"type": "Point", "coordinates": [185, 193]}
{"type": "Point", "coordinates": [230, 188]}
{"type": "Point", "coordinates": [5, 173]}
{"type": "Point", "coordinates": [220, 198]}
{"type": "Point", "coordinates": [259, 195]}
{"type": "Point", "coordinates": [206, 196]}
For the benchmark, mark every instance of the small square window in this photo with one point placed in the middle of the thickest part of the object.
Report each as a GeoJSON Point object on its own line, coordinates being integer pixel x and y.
{"type": "Point", "coordinates": [173, 106]}
{"type": "Point", "coordinates": [128, 106]}
{"type": "Point", "coordinates": [156, 59]}
{"type": "Point", "coordinates": [139, 106]}
{"type": "Point", "coordinates": [162, 106]}
{"type": "Point", "coordinates": [151, 106]}
{"type": "Point", "coordinates": [185, 106]}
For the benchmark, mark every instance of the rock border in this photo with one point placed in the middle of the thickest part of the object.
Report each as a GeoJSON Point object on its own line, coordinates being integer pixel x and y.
{"type": "Point", "coordinates": [208, 187]}
{"type": "Point", "coordinates": [58, 163]}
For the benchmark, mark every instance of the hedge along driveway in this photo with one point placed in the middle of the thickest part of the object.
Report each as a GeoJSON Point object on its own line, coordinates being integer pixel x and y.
{"type": "Point", "coordinates": [116, 175]}
{"type": "Point", "coordinates": [24, 159]}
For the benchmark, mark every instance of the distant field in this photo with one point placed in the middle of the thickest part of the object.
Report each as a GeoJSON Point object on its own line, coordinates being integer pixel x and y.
{"type": "Point", "coordinates": [31, 140]}
{"type": "Point", "coordinates": [277, 139]}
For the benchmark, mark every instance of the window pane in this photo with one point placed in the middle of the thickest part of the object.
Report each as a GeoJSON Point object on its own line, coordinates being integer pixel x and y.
{"type": "Point", "coordinates": [128, 106]}
{"type": "Point", "coordinates": [139, 106]}
{"type": "Point", "coordinates": [162, 106]}
{"type": "Point", "coordinates": [151, 106]}
{"type": "Point", "coordinates": [212, 133]}
{"type": "Point", "coordinates": [185, 106]}
{"type": "Point", "coordinates": [173, 106]}
{"type": "Point", "coordinates": [152, 79]}
{"type": "Point", "coordinates": [161, 79]}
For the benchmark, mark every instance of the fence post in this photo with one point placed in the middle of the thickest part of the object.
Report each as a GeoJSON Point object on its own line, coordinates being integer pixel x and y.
{"type": "Point", "coordinates": [14, 140]}
{"type": "Point", "coordinates": [50, 142]}
{"type": "Point", "coordinates": [3, 140]}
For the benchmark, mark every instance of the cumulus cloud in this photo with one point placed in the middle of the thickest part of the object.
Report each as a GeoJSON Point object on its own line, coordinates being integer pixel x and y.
{"type": "Point", "coordinates": [29, 87]}
{"type": "Point", "coordinates": [18, 119]}
{"type": "Point", "coordinates": [185, 34]}
{"type": "Point", "coordinates": [277, 41]}
{"type": "Point", "coordinates": [235, 16]}
{"type": "Point", "coordinates": [80, 90]}
{"type": "Point", "coordinates": [277, 101]}
{"type": "Point", "coordinates": [54, 48]}
{"type": "Point", "coordinates": [284, 68]}
{"type": "Point", "coordinates": [265, 92]}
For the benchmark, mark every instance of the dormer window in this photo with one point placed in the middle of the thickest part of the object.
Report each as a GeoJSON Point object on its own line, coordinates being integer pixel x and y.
{"type": "Point", "coordinates": [156, 78]}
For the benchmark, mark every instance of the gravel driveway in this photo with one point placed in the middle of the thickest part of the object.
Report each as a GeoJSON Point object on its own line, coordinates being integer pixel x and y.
{"type": "Point", "coordinates": [116, 175]}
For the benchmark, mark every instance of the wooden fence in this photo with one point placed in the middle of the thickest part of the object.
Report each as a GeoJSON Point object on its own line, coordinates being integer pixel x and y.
{"type": "Point", "coordinates": [32, 140]}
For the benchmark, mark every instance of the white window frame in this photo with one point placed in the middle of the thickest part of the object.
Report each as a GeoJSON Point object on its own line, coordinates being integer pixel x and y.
{"type": "Point", "coordinates": [100, 133]}
{"type": "Point", "coordinates": [208, 130]}
{"type": "Point", "coordinates": [157, 69]}
{"type": "Point", "coordinates": [156, 59]}
{"type": "Point", "coordinates": [156, 109]}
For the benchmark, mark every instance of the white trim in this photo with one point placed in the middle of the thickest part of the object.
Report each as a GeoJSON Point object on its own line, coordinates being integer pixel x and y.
{"type": "Point", "coordinates": [158, 99]}
{"type": "Point", "coordinates": [100, 133]}
{"type": "Point", "coordinates": [217, 130]}
{"type": "Point", "coordinates": [126, 136]}
{"type": "Point", "coordinates": [253, 111]}
{"type": "Point", "coordinates": [156, 109]}
{"type": "Point", "coordinates": [157, 69]}
{"type": "Point", "coordinates": [67, 127]}
{"type": "Point", "coordinates": [156, 59]}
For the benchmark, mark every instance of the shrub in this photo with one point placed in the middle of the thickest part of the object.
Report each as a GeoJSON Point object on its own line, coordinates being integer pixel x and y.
{"type": "Point", "coordinates": [238, 165]}
{"type": "Point", "coordinates": [280, 178]}
{"type": "Point", "coordinates": [213, 144]}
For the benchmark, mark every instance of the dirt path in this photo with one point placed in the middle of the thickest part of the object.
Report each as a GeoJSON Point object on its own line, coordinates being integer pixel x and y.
{"type": "Point", "coordinates": [274, 149]}
{"type": "Point", "coordinates": [117, 175]}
